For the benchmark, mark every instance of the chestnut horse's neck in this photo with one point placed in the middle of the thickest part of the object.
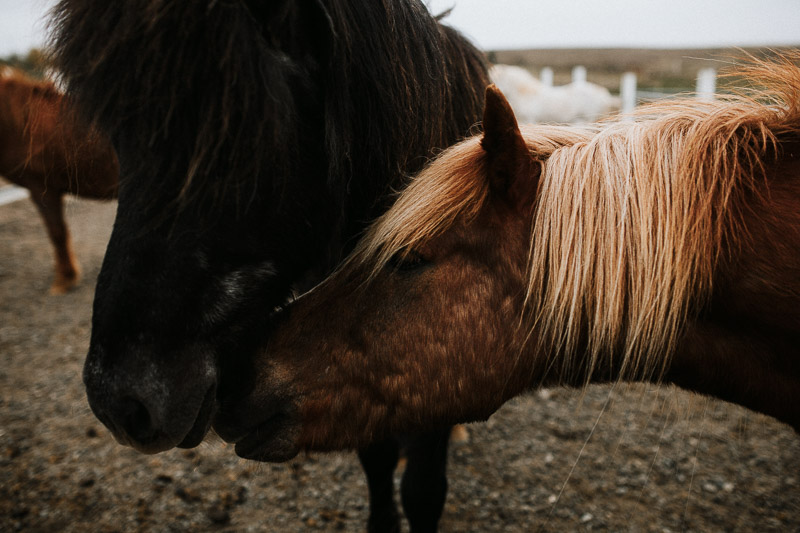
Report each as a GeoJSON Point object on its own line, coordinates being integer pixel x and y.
{"type": "Point", "coordinates": [631, 226]}
{"type": "Point", "coordinates": [745, 346]}
{"type": "Point", "coordinates": [742, 341]}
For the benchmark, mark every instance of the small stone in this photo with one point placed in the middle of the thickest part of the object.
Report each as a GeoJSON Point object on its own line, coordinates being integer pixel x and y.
{"type": "Point", "coordinates": [20, 512]}
{"type": "Point", "coordinates": [187, 495]}
{"type": "Point", "coordinates": [219, 515]}
{"type": "Point", "coordinates": [709, 487]}
{"type": "Point", "coordinates": [12, 452]}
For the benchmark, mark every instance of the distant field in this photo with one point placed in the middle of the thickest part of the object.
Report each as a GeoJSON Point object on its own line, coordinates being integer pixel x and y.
{"type": "Point", "coordinates": [665, 70]}
{"type": "Point", "coordinates": [668, 70]}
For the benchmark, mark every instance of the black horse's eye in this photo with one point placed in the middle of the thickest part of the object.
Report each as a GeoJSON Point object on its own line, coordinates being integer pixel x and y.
{"type": "Point", "coordinates": [407, 261]}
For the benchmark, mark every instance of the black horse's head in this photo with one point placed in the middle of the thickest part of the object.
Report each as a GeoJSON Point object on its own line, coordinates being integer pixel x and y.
{"type": "Point", "coordinates": [214, 109]}
{"type": "Point", "coordinates": [255, 140]}
{"type": "Point", "coordinates": [177, 304]}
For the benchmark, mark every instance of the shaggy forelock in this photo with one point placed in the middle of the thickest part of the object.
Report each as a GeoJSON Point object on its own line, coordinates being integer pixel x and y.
{"type": "Point", "coordinates": [138, 67]}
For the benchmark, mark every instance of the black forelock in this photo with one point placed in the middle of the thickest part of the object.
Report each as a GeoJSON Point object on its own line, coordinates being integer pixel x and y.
{"type": "Point", "coordinates": [136, 68]}
{"type": "Point", "coordinates": [389, 85]}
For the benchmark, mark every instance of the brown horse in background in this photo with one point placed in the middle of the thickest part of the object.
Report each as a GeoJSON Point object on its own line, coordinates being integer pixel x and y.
{"type": "Point", "coordinates": [45, 149]}
{"type": "Point", "coordinates": [664, 247]}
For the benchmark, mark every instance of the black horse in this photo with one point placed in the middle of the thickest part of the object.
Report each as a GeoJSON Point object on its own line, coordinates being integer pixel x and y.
{"type": "Point", "coordinates": [255, 139]}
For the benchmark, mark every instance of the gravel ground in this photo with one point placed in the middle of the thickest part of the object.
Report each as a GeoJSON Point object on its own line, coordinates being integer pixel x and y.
{"type": "Point", "coordinates": [630, 459]}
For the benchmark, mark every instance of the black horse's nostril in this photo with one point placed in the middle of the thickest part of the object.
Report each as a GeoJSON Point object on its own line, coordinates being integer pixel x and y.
{"type": "Point", "coordinates": [151, 409]}
{"type": "Point", "coordinates": [136, 421]}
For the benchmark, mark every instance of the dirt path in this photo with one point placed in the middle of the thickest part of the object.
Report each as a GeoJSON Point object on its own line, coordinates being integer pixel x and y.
{"type": "Point", "coordinates": [654, 460]}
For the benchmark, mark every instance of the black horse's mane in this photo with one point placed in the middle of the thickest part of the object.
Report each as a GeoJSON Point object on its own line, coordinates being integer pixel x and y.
{"type": "Point", "coordinates": [221, 91]}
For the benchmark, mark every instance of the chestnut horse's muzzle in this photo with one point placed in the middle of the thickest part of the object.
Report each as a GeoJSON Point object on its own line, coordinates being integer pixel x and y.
{"type": "Point", "coordinates": [273, 441]}
{"type": "Point", "coordinates": [264, 422]}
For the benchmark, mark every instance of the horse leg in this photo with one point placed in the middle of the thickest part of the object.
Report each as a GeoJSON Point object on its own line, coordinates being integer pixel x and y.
{"type": "Point", "coordinates": [51, 207]}
{"type": "Point", "coordinates": [424, 486]}
{"type": "Point", "coordinates": [379, 461]}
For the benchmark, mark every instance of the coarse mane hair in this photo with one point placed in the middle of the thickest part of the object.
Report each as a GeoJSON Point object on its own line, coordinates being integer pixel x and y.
{"type": "Point", "coordinates": [632, 216]}
{"type": "Point", "coordinates": [353, 76]}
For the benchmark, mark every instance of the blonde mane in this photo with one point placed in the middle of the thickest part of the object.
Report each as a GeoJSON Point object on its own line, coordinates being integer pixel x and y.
{"type": "Point", "coordinates": [452, 187]}
{"type": "Point", "coordinates": [632, 217]}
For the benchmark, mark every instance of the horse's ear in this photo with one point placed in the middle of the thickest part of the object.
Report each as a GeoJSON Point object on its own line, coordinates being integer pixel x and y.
{"type": "Point", "coordinates": [513, 172]}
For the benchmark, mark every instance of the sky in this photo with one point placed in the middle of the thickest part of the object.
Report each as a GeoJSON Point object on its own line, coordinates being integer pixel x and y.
{"type": "Point", "coordinates": [22, 25]}
{"type": "Point", "coordinates": [504, 24]}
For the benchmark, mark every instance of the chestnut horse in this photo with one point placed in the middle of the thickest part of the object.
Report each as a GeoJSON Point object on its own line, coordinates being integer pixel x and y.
{"type": "Point", "coordinates": [45, 148]}
{"type": "Point", "coordinates": [664, 248]}
{"type": "Point", "coordinates": [256, 139]}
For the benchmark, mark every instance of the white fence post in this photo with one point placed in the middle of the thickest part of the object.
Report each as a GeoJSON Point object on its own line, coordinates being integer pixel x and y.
{"type": "Point", "coordinates": [706, 83]}
{"type": "Point", "coordinates": [546, 76]}
{"type": "Point", "coordinates": [627, 92]}
{"type": "Point", "coordinates": [579, 74]}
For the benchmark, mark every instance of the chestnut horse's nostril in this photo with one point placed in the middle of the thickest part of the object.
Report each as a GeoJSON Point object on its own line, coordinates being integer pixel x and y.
{"type": "Point", "coordinates": [136, 420]}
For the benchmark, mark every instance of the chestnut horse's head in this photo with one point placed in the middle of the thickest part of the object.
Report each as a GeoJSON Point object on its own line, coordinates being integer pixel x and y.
{"type": "Point", "coordinates": [372, 342]}
{"type": "Point", "coordinates": [629, 250]}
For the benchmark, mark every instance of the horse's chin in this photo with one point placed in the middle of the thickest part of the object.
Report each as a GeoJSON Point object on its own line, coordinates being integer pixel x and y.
{"type": "Point", "coordinates": [273, 440]}
{"type": "Point", "coordinates": [147, 448]}
{"type": "Point", "coordinates": [202, 423]}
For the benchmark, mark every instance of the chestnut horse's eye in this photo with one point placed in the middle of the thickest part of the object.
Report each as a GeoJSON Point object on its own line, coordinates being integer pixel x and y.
{"type": "Point", "coordinates": [407, 261]}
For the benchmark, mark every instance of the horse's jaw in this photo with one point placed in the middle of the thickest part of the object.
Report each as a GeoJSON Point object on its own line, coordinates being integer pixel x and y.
{"type": "Point", "coordinates": [274, 441]}
{"type": "Point", "coordinates": [262, 422]}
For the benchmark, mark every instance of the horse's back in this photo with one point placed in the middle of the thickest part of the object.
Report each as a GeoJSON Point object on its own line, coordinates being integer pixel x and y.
{"type": "Point", "coordinates": [44, 148]}
{"type": "Point", "coordinates": [745, 345]}
{"type": "Point", "coordinates": [765, 278]}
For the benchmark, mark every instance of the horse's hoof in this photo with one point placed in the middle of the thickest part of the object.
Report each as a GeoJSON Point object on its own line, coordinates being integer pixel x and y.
{"type": "Point", "coordinates": [459, 434]}
{"type": "Point", "coordinates": [63, 286]}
